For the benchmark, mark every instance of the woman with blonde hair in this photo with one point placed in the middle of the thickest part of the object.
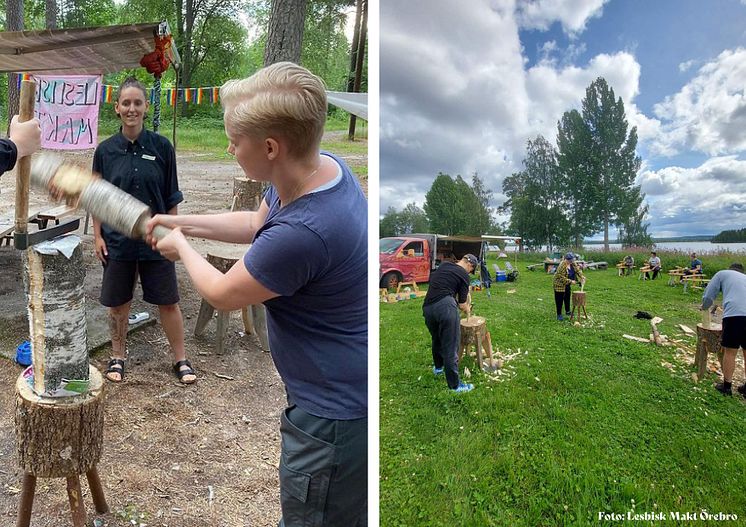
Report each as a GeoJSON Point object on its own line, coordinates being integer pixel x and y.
{"type": "Point", "coordinates": [308, 265]}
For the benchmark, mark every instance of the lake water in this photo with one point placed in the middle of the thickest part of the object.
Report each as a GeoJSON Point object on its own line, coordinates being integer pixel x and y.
{"type": "Point", "coordinates": [685, 247]}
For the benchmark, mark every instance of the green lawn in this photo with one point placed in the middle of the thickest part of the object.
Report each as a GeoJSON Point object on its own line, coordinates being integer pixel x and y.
{"type": "Point", "coordinates": [589, 423]}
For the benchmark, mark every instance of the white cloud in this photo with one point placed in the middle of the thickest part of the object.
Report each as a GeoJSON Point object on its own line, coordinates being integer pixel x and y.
{"type": "Point", "coordinates": [709, 113]}
{"type": "Point", "coordinates": [709, 197]}
{"type": "Point", "coordinates": [572, 14]}
{"type": "Point", "coordinates": [684, 66]}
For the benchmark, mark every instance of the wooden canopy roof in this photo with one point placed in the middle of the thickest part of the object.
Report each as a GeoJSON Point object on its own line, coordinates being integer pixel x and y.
{"type": "Point", "coordinates": [104, 49]}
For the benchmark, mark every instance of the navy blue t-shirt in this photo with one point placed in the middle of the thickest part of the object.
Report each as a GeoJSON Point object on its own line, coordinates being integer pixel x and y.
{"type": "Point", "coordinates": [313, 252]}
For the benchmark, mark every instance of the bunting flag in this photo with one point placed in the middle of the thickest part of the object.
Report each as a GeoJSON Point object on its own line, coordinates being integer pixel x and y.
{"type": "Point", "coordinates": [23, 77]}
{"type": "Point", "coordinates": [209, 94]}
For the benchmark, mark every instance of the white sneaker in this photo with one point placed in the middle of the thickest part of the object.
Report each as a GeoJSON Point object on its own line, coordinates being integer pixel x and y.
{"type": "Point", "coordinates": [138, 317]}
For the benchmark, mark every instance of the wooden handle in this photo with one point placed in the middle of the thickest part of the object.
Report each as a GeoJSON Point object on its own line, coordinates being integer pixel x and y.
{"type": "Point", "coordinates": [160, 232]}
{"type": "Point", "coordinates": [26, 113]}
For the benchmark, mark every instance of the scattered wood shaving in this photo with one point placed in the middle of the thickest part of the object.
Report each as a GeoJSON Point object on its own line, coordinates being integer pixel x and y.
{"type": "Point", "coordinates": [637, 339]}
{"type": "Point", "coordinates": [221, 376]}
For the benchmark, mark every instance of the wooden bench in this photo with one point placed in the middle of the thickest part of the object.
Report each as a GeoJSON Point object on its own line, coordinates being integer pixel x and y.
{"type": "Point", "coordinates": [643, 270]}
{"type": "Point", "coordinates": [624, 269]}
{"type": "Point", "coordinates": [55, 214]}
{"type": "Point", "coordinates": [696, 281]}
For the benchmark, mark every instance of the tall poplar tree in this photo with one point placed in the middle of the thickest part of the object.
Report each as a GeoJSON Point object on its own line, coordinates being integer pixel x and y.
{"type": "Point", "coordinates": [610, 158]}
{"type": "Point", "coordinates": [578, 185]}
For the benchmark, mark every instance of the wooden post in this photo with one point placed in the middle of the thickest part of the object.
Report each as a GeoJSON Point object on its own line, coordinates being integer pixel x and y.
{"type": "Point", "coordinates": [54, 274]}
{"type": "Point", "coordinates": [708, 341]}
{"type": "Point", "coordinates": [247, 194]}
{"type": "Point", "coordinates": [23, 166]}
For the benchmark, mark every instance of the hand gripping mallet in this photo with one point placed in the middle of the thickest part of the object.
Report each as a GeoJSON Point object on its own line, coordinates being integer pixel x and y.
{"type": "Point", "coordinates": [100, 198]}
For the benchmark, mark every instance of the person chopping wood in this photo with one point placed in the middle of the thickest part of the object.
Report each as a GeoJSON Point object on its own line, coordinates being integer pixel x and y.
{"type": "Point", "coordinates": [448, 292]}
{"type": "Point", "coordinates": [308, 264]}
{"type": "Point", "coordinates": [568, 273]}
{"type": "Point", "coordinates": [732, 282]}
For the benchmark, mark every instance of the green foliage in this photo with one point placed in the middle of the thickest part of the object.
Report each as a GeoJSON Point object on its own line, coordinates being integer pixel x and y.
{"type": "Point", "coordinates": [633, 231]}
{"type": "Point", "coordinates": [454, 207]}
{"type": "Point", "coordinates": [411, 219]}
{"type": "Point", "coordinates": [326, 50]}
{"type": "Point", "coordinates": [573, 145]}
{"type": "Point", "coordinates": [611, 160]}
{"type": "Point", "coordinates": [535, 197]}
{"type": "Point", "coordinates": [583, 421]}
{"type": "Point", "coordinates": [733, 236]}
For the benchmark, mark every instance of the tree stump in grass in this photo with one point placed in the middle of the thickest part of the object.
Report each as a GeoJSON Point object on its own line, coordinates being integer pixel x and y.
{"type": "Point", "coordinates": [473, 331]}
{"type": "Point", "coordinates": [708, 341]}
{"type": "Point", "coordinates": [247, 194]}
{"type": "Point", "coordinates": [253, 317]}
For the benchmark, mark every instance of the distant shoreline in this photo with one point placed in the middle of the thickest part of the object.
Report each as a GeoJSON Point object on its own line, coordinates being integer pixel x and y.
{"type": "Point", "coordinates": [698, 238]}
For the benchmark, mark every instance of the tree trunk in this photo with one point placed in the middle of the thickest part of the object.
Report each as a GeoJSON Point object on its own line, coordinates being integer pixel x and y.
{"type": "Point", "coordinates": [353, 48]}
{"type": "Point", "coordinates": [285, 35]}
{"type": "Point", "coordinates": [247, 194]}
{"type": "Point", "coordinates": [359, 56]}
{"type": "Point", "coordinates": [59, 437]}
{"type": "Point", "coordinates": [51, 14]}
{"type": "Point", "coordinates": [606, 232]}
{"type": "Point", "coordinates": [13, 22]}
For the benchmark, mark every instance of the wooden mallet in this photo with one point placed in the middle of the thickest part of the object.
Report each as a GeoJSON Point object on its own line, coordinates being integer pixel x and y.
{"type": "Point", "coordinates": [100, 198]}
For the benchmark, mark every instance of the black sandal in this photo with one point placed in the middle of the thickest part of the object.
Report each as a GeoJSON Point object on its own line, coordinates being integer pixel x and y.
{"type": "Point", "coordinates": [115, 366]}
{"type": "Point", "coordinates": [181, 373]}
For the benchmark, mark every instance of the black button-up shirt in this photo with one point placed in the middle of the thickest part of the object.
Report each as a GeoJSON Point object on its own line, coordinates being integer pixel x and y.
{"type": "Point", "coordinates": [8, 155]}
{"type": "Point", "coordinates": [146, 169]}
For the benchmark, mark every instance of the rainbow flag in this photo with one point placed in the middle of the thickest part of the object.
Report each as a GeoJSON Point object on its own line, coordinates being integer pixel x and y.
{"type": "Point", "coordinates": [187, 95]}
{"type": "Point", "coordinates": [200, 95]}
{"type": "Point", "coordinates": [172, 98]}
{"type": "Point", "coordinates": [109, 92]}
{"type": "Point", "coordinates": [215, 95]}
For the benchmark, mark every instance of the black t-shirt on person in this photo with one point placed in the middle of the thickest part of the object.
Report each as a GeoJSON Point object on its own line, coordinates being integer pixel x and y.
{"type": "Point", "coordinates": [449, 279]}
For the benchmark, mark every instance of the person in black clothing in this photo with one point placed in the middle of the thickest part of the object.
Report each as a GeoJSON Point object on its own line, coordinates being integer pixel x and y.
{"type": "Point", "coordinates": [23, 139]}
{"type": "Point", "coordinates": [448, 292]}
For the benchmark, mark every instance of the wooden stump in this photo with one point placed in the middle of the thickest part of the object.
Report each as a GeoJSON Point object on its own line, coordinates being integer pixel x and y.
{"type": "Point", "coordinates": [578, 301]}
{"type": "Point", "coordinates": [254, 318]}
{"type": "Point", "coordinates": [708, 341]}
{"type": "Point", "coordinates": [247, 194]}
{"type": "Point", "coordinates": [473, 330]}
{"type": "Point", "coordinates": [60, 437]}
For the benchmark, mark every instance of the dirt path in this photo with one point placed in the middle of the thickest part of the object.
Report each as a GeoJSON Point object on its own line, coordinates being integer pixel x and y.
{"type": "Point", "coordinates": [203, 455]}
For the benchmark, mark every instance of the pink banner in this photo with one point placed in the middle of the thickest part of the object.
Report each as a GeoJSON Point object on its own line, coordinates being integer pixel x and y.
{"type": "Point", "coordinates": [67, 107]}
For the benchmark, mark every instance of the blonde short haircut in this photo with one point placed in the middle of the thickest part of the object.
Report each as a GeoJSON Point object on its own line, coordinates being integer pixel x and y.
{"type": "Point", "coordinates": [284, 100]}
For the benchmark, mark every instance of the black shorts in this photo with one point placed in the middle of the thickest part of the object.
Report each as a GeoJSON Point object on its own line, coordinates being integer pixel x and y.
{"type": "Point", "coordinates": [734, 333]}
{"type": "Point", "coordinates": [158, 279]}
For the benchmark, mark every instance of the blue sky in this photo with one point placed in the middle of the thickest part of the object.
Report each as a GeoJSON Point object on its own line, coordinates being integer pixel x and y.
{"type": "Point", "coordinates": [463, 89]}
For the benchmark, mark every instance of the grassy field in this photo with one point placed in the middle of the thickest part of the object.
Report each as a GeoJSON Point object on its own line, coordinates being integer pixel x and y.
{"type": "Point", "coordinates": [584, 421]}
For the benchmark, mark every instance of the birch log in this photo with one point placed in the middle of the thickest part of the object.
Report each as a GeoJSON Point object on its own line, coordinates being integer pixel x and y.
{"type": "Point", "coordinates": [53, 276]}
